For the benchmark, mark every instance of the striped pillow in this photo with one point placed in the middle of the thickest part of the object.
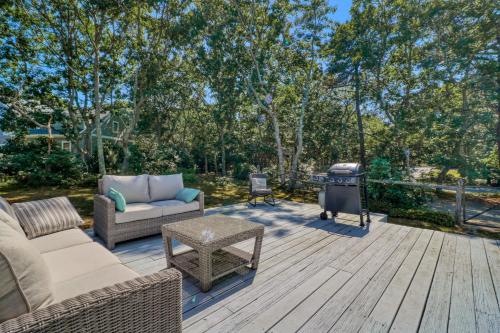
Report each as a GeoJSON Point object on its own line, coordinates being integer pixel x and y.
{"type": "Point", "coordinates": [43, 217]}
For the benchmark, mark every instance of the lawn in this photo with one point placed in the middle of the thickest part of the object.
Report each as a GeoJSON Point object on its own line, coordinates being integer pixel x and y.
{"type": "Point", "coordinates": [218, 192]}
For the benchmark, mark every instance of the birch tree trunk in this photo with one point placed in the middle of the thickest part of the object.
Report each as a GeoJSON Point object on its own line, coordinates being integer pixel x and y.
{"type": "Point", "coordinates": [97, 98]}
{"type": "Point", "coordinates": [279, 147]}
{"type": "Point", "coordinates": [361, 132]}
{"type": "Point", "coordinates": [206, 164]}
{"type": "Point", "coordinates": [223, 152]}
{"type": "Point", "coordinates": [130, 128]}
{"type": "Point", "coordinates": [300, 129]}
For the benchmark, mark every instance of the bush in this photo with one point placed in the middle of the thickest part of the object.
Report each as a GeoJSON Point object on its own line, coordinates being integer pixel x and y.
{"type": "Point", "coordinates": [29, 163]}
{"type": "Point", "coordinates": [242, 170]}
{"type": "Point", "coordinates": [149, 157]}
{"type": "Point", "coordinates": [113, 156]}
{"type": "Point", "coordinates": [439, 218]}
{"type": "Point", "coordinates": [188, 175]}
{"type": "Point", "coordinates": [393, 195]}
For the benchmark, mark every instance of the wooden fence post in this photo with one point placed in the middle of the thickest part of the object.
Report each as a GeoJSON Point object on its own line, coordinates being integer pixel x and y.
{"type": "Point", "coordinates": [460, 202]}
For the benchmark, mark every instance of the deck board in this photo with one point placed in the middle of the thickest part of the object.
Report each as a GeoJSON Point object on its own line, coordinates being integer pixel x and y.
{"type": "Point", "coordinates": [437, 309]}
{"type": "Point", "coordinates": [320, 276]}
{"type": "Point", "coordinates": [485, 302]}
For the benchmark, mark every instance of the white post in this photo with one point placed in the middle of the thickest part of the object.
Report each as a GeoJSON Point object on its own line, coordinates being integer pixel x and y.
{"type": "Point", "coordinates": [460, 202]}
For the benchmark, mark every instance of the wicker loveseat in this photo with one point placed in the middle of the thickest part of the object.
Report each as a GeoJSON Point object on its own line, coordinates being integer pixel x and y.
{"type": "Point", "coordinates": [150, 204]}
{"type": "Point", "coordinates": [85, 288]}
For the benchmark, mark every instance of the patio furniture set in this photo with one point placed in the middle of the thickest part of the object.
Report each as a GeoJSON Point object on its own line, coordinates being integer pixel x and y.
{"type": "Point", "coordinates": [55, 278]}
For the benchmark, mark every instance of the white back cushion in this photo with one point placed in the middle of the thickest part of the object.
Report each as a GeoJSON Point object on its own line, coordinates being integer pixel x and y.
{"type": "Point", "coordinates": [133, 188]}
{"type": "Point", "coordinates": [10, 216]}
{"type": "Point", "coordinates": [25, 284]}
{"type": "Point", "coordinates": [259, 184]}
{"type": "Point", "coordinates": [165, 187]}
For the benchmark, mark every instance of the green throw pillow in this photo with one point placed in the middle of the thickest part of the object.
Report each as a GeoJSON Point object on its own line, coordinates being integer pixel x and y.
{"type": "Point", "coordinates": [187, 194]}
{"type": "Point", "coordinates": [118, 198]}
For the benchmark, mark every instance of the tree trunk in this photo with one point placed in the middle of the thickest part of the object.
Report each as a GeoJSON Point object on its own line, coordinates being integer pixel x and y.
{"type": "Point", "coordinates": [206, 164]}
{"type": "Point", "coordinates": [97, 102]}
{"type": "Point", "coordinates": [498, 99]}
{"type": "Point", "coordinates": [49, 132]}
{"type": "Point", "coordinates": [498, 130]}
{"type": "Point", "coordinates": [279, 148]}
{"type": "Point", "coordinates": [300, 130]}
{"type": "Point", "coordinates": [223, 153]}
{"type": "Point", "coordinates": [361, 132]}
{"type": "Point", "coordinates": [215, 164]}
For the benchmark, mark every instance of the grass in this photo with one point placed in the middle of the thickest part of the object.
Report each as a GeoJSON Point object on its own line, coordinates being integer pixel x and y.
{"type": "Point", "coordinates": [465, 230]}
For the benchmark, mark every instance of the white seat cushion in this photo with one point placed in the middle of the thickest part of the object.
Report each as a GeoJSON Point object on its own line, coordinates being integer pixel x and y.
{"type": "Point", "coordinates": [138, 211]}
{"type": "Point", "coordinates": [100, 278]}
{"type": "Point", "coordinates": [68, 263]}
{"type": "Point", "coordinates": [171, 207]}
{"type": "Point", "coordinates": [133, 188]}
{"type": "Point", "coordinates": [165, 187]}
{"type": "Point", "coordinates": [60, 240]}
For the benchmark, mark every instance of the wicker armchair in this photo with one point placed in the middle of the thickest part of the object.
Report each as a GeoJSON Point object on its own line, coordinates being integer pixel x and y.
{"type": "Point", "coordinates": [150, 304]}
{"type": "Point", "coordinates": [111, 232]}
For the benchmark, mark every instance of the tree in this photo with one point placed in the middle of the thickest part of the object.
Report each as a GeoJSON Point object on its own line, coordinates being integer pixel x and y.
{"type": "Point", "coordinates": [311, 25]}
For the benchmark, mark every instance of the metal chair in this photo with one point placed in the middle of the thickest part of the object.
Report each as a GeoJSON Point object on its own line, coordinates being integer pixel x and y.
{"type": "Point", "coordinates": [258, 188]}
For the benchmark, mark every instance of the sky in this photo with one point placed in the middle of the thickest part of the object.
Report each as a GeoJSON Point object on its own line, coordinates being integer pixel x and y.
{"type": "Point", "coordinates": [342, 13]}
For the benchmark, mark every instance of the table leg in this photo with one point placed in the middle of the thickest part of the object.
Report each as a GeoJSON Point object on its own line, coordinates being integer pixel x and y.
{"type": "Point", "coordinates": [205, 261]}
{"type": "Point", "coordinates": [168, 251]}
{"type": "Point", "coordinates": [256, 250]}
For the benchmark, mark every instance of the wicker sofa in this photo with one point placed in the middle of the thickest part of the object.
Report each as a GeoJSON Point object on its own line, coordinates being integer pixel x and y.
{"type": "Point", "coordinates": [150, 204]}
{"type": "Point", "coordinates": [90, 289]}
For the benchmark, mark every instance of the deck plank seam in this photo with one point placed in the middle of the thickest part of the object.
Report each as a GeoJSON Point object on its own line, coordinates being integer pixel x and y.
{"type": "Point", "coordinates": [409, 284]}
{"type": "Point", "coordinates": [354, 229]}
{"type": "Point", "coordinates": [221, 295]}
{"type": "Point", "coordinates": [352, 276]}
{"type": "Point", "coordinates": [491, 273]}
{"type": "Point", "coordinates": [378, 270]}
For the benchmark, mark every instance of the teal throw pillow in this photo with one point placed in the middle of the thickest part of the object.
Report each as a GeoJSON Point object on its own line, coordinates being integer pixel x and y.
{"type": "Point", "coordinates": [118, 198]}
{"type": "Point", "coordinates": [187, 194]}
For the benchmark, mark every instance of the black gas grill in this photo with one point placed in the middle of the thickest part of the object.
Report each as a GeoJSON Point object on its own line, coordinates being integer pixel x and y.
{"type": "Point", "coordinates": [345, 191]}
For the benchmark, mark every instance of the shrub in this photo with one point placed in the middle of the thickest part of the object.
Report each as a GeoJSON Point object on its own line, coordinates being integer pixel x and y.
{"type": "Point", "coordinates": [29, 163]}
{"type": "Point", "coordinates": [393, 195]}
{"type": "Point", "coordinates": [242, 170]}
{"type": "Point", "coordinates": [147, 156]}
{"type": "Point", "coordinates": [188, 175]}
{"type": "Point", "coordinates": [434, 217]}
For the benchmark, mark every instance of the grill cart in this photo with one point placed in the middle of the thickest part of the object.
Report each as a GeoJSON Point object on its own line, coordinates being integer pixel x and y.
{"type": "Point", "coordinates": [345, 191]}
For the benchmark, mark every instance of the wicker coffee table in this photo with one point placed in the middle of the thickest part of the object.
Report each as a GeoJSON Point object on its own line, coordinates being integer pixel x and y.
{"type": "Point", "coordinates": [211, 238]}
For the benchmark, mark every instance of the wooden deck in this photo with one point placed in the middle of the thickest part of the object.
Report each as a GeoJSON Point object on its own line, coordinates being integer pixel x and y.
{"type": "Point", "coordinates": [320, 276]}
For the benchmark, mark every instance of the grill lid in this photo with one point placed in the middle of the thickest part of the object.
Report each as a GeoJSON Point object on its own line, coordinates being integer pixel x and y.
{"type": "Point", "coordinates": [345, 169]}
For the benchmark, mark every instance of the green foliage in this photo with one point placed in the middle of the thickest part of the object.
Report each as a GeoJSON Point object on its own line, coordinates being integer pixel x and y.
{"type": "Point", "coordinates": [30, 164]}
{"type": "Point", "coordinates": [189, 175]}
{"type": "Point", "coordinates": [426, 215]}
{"type": "Point", "coordinates": [149, 157]}
{"type": "Point", "coordinates": [242, 170]}
{"type": "Point", "coordinates": [392, 195]}
{"type": "Point", "coordinates": [113, 154]}
{"type": "Point", "coordinates": [420, 214]}
{"type": "Point", "coordinates": [208, 83]}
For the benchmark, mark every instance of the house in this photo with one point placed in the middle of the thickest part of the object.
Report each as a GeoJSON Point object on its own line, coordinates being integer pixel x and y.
{"type": "Point", "coordinates": [57, 136]}
{"type": "Point", "coordinates": [111, 126]}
